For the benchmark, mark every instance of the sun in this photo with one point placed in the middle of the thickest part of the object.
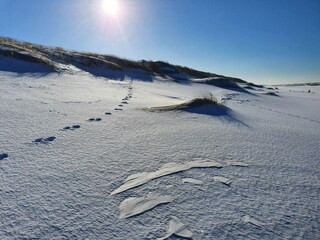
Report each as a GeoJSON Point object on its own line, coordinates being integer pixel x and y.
{"type": "Point", "coordinates": [111, 7]}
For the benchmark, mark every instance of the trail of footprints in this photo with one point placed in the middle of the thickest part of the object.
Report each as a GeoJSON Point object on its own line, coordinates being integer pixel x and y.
{"type": "Point", "coordinates": [49, 139]}
{"type": "Point", "coordinates": [94, 119]}
{"type": "Point", "coordinates": [44, 140]}
{"type": "Point", "coordinates": [73, 127]}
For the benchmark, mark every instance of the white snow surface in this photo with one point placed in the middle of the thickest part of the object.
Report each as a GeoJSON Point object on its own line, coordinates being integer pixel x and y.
{"type": "Point", "coordinates": [61, 189]}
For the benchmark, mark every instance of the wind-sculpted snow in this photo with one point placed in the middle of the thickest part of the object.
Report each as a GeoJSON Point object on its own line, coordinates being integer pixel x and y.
{"type": "Point", "coordinates": [223, 180]}
{"type": "Point", "coordinates": [192, 180]}
{"type": "Point", "coordinates": [133, 206]}
{"type": "Point", "coordinates": [251, 220]}
{"type": "Point", "coordinates": [139, 179]}
{"type": "Point", "coordinates": [237, 164]}
{"type": "Point", "coordinates": [176, 227]}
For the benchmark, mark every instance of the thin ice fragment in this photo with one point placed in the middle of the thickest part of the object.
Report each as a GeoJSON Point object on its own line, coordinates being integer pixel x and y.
{"type": "Point", "coordinates": [176, 227]}
{"type": "Point", "coordinates": [223, 180]}
{"type": "Point", "coordinates": [139, 179]}
{"type": "Point", "coordinates": [133, 206]}
{"type": "Point", "coordinates": [251, 220]}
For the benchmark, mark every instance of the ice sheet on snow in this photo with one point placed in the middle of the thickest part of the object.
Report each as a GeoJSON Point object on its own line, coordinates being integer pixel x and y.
{"type": "Point", "coordinates": [251, 220]}
{"type": "Point", "coordinates": [139, 179]}
{"type": "Point", "coordinates": [237, 164]}
{"type": "Point", "coordinates": [192, 180]}
{"type": "Point", "coordinates": [223, 180]}
{"type": "Point", "coordinates": [133, 206]}
{"type": "Point", "coordinates": [176, 227]}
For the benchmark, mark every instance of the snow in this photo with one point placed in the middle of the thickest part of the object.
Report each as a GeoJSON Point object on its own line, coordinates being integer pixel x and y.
{"type": "Point", "coordinates": [19, 66]}
{"type": "Point", "coordinates": [61, 189]}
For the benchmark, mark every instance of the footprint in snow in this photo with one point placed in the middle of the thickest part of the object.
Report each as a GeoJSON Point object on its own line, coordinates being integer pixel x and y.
{"type": "Point", "coordinates": [94, 119]}
{"type": "Point", "coordinates": [3, 156]}
{"type": "Point", "coordinates": [44, 140]}
{"type": "Point", "coordinates": [107, 113]}
{"type": "Point", "coordinates": [73, 127]}
{"type": "Point", "coordinates": [124, 102]}
{"type": "Point", "coordinates": [120, 105]}
{"type": "Point", "coordinates": [118, 109]}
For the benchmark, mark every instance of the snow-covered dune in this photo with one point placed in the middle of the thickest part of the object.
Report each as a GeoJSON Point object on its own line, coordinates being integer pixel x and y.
{"type": "Point", "coordinates": [68, 141]}
{"type": "Point", "coordinates": [23, 57]}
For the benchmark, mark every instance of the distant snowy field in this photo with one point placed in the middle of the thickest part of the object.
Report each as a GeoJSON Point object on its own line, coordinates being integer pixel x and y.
{"type": "Point", "coordinates": [62, 156]}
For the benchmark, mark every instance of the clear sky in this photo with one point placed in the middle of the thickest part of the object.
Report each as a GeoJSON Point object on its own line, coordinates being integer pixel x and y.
{"type": "Point", "coordinates": [262, 41]}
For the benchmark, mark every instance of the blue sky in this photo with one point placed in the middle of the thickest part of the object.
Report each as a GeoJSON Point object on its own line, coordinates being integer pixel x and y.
{"type": "Point", "coordinates": [262, 41]}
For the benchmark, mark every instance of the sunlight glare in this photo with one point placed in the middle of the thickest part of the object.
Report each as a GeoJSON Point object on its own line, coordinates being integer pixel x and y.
{"type": "Point", "coordinates": [111, 7]}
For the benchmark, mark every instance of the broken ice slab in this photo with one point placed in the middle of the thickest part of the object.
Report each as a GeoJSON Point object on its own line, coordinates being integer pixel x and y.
{"type": "Point", "coordinates": [133, 206]}
{"type": "Point", "coordinates": [139, 179]}
{"type": "Point", "coordinates": [237, 164]}
{"type": "Point", "coordinates": [223, 180]}
{"type": "Point", "coordinates": [176, 227]}
{"type": "Point", "coordinates": [192, 180]}
{"type": "Point", "coordinates": [251, 220]}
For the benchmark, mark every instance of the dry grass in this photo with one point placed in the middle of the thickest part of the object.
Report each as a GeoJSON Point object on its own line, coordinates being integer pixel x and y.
{"type": "Point", "coordinates": [52, 55]}
{"type": "Point", "coordinates": [197, 102]}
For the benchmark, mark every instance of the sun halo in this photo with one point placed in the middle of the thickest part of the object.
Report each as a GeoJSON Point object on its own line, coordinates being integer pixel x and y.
{"type": "Point", "coordinates": [111, 7]}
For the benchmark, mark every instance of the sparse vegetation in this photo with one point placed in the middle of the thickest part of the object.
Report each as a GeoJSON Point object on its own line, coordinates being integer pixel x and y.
{"type": "Point", "coordinates": [50, 56]}
{"type": "Point", "coordinates": [254, 85]}
{"type": "Point", "coordinates": [197, 102]}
